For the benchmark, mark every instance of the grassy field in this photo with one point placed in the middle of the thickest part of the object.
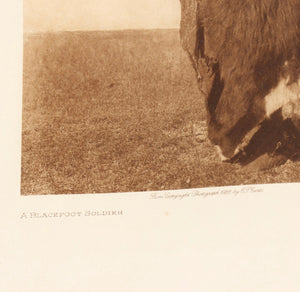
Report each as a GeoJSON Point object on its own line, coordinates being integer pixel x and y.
{"type": "Point", "coordinates": [117, 112]}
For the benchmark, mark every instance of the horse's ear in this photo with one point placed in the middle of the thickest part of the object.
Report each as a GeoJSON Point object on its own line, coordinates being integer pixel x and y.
{"type": "Point", "coordinates": [191, 33]}
{"type": "Point", "coordinates": [192, 41]}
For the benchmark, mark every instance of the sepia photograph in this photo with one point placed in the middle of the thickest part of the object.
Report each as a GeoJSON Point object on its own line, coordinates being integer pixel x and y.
{"type": "Point", "coordinates": [174, 124]}
{"type": "Point", "coordinates": [159, 95]}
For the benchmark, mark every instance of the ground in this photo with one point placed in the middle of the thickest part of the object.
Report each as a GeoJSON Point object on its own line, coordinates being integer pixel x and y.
{"type": "Point", "coordinates": [117, 112]}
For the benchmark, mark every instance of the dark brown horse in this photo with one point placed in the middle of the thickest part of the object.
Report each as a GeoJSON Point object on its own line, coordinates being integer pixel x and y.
{"type": "Point", "coordinates": [246, 54]}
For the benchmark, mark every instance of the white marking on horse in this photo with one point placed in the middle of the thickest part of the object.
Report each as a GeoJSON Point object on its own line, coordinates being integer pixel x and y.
{"type": "Point", "coordinates": [282, 96]}
{"type": "Point", "coordinates": [220, 153]}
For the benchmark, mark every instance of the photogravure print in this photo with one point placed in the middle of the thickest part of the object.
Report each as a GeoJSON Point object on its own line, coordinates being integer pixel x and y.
{"type": "Point", "coordinates": [126, 110]}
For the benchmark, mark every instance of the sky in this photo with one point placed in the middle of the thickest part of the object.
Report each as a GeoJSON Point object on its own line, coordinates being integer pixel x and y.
{"type": "Point", "coordinates": [56, 15]}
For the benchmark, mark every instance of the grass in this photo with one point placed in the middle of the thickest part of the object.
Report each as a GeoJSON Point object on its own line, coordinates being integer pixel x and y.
{"type": "Point", "coordinates": [117, 112]}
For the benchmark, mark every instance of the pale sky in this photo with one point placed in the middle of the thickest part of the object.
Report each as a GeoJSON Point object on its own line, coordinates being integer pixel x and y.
{"type": "Point", "coordinates": [45, 15]}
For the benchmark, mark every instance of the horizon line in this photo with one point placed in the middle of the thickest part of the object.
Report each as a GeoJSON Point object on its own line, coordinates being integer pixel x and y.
{"type": "Point", "coordinates": [100, 30]}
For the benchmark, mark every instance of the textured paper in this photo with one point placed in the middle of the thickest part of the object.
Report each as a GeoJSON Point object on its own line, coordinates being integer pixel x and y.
{"type": "Point", "coordinates": [220, 239]}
